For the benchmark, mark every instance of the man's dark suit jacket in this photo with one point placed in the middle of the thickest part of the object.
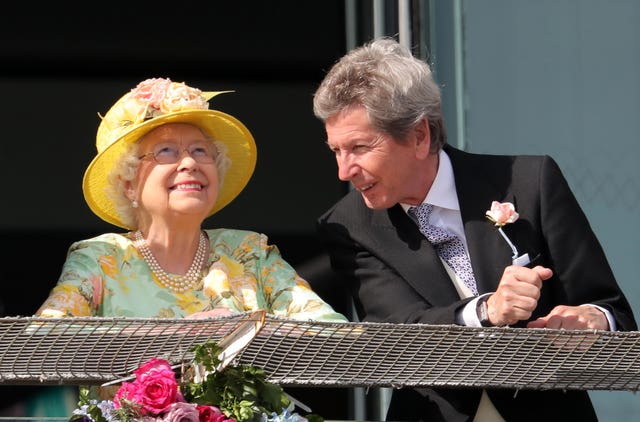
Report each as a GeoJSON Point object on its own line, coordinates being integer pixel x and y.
{"type": "Point", "coordinates": [395, 274]}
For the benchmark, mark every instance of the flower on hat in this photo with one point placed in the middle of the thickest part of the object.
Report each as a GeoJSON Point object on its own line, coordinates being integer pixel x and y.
{"type": "Point", "coordinates": [502, 213]}
{"type": "Point", "coordinates": [157, 96]}
{"type": "Point", "coordinates": [153, 97]}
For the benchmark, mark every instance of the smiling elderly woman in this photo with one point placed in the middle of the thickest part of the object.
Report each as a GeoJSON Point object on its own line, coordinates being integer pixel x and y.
{"type": "Point", "coordinates": [165, 163]}
{"type": "Point", "coordinates": [126, 168]}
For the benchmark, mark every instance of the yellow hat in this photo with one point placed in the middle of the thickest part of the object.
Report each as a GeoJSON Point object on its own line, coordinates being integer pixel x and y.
{"type": "Point", "coordinates": [152, 103]}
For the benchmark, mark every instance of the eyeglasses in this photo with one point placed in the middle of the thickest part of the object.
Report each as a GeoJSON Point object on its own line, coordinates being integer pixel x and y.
{"type": "Point", "coordinates": [171, 153]}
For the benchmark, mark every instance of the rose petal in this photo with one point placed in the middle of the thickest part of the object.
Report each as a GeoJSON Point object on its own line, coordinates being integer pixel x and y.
{"type": "Point", "coordinates": [502, 213]}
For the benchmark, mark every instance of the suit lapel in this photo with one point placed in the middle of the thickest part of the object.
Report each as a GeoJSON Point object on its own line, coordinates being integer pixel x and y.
{"type": "Point", "coordinates": [476, 189]}
{"type": "Point", "coordinates": [412, 256]}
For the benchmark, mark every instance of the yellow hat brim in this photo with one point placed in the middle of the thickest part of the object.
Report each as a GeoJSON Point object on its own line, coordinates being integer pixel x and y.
{"type": "Point", "coordinates": [241, 150]}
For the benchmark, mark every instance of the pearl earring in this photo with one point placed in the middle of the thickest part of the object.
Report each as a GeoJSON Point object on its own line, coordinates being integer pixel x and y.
{"type": "Point", "coordinates": [134, 203]}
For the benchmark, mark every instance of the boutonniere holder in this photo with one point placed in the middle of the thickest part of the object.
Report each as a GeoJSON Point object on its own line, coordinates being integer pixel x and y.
{"type": "Point", "coordinates": [502, 213]}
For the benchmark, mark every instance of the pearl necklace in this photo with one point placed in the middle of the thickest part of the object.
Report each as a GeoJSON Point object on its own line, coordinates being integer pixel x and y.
{"type": "Point", "coordinates": [178, 284]}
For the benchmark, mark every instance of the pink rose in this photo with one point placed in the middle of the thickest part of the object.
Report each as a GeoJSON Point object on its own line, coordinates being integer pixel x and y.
{"type": "Point", "coordinates": [502, 213]}
{"type": "Point", "coordinates": [128, 392]}
{"type": "Point", "coordinates": [212, 414]}
{"type": "Point", "coordinates": [159, 386]}
{"type": "Point", "coordinates": [182, 412]}
{"type": "Point", "coordinates": [154, 389]}
{"type": "Point", "coordinates": [152, 91]}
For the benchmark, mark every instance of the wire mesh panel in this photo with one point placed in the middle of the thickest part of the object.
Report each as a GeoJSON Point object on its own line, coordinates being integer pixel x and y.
{"type": "Point", "coordinates": [94, 350]}
{"type": "Point", "coordinates": [310, 353]}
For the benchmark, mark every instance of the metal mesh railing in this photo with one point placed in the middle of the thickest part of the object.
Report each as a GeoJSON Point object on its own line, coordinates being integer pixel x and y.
{"type": "Point", "coordinates": [96, 350]}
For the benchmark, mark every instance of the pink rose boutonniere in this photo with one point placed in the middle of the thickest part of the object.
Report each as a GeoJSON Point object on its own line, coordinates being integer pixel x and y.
{"type": "Point", "coordinates": [502, 213]}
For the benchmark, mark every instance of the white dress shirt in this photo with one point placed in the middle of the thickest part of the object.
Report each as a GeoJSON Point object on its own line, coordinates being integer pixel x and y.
{"type": "Point", "coordinates": [446, 214]}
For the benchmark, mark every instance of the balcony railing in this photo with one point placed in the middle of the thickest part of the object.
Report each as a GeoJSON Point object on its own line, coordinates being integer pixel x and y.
{"type": "Point", "coordinates": [293, 353]}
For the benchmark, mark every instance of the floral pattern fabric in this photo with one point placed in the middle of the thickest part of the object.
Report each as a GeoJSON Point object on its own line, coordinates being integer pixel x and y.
{"type": "Point", "coordinates": [107, 276]}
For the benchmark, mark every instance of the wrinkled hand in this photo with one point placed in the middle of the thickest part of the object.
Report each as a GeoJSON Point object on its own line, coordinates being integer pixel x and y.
{"type": "Point", "coordinates": [217, 312]}
{"type": "Point", "coordinates": [517, 295]}
{"type": "Point", "coordinates": [572, 318]}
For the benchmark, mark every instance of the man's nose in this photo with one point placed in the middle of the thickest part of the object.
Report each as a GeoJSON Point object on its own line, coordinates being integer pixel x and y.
{"type": "Point", "coordinates": [347, 168]}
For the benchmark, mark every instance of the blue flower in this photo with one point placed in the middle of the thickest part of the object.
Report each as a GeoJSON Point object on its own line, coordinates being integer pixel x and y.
{"type": "Point", "coordinates": [95, 411]}
{"type": "Point", "coordinates": [287, 415]}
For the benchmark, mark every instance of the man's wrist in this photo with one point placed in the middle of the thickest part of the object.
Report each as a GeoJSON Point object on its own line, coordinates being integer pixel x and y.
{"type": "Point", "coordinates": [482, 310]}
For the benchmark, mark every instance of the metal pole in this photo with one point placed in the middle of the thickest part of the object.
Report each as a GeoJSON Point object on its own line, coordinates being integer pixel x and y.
{"type": "Point", "coordinates": [404, 22]}
{"type": "Point", "coordinates": [378, 18]}
{"type": "Point", "coordinates": [459, 73]}
{"type": "Point", "coordinates": [350, 23]}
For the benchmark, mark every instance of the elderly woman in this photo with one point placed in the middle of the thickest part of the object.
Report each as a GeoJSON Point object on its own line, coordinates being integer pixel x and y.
{"type": "Point", "coordinates": [166, 162]}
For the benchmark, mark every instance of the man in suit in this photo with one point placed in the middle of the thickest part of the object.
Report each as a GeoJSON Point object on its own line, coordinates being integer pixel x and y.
{"type": "Point", "coordinates": [382, 114]}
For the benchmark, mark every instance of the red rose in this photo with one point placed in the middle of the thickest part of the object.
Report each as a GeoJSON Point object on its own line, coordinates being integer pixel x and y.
{"type": "Point", "coordinates": [212, 414]}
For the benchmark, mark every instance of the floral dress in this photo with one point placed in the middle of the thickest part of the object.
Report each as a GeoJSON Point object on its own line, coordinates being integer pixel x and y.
{"type": "Point", "coordinates": [107, 276]}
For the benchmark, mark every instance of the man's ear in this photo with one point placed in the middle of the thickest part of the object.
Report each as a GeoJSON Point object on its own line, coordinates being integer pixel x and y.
{"type": "Point", "coordinates": [422, 137]}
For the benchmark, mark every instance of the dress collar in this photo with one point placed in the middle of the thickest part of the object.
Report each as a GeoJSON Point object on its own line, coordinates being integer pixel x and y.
{"type": "Point", "coordinates": [443, 190]}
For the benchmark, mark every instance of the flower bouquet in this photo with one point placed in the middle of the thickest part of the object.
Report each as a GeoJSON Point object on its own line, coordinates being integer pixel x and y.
{"type": "Point", "coordinates": [204, 394]}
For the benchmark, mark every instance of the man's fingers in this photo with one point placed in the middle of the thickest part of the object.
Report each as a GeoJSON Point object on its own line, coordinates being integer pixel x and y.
{"type": "Point", "coordinates": [543, 272]}
{"type": "Point", "coordinates": [537, 323]}
{"type": "Point", "coordinates": [572, 318]}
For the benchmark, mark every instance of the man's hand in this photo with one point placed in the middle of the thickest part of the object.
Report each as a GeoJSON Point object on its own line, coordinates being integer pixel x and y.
{"type": "Point", "coordinates": [517, 295]}
{"type": "Point", "coordinates": [572, 318]}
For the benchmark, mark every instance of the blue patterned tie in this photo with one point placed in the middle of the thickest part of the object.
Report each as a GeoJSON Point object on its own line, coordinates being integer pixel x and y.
{"type": "Point", "coordinates": [449, 246]}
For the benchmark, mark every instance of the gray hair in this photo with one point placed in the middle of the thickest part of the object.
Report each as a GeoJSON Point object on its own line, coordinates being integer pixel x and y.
{"type": "Point", "coordinates": [125, 170]}
{"type": "Point", "coordinates": [396, 89]}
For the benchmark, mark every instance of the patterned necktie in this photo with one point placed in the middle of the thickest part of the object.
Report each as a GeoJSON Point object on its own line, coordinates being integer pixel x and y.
{"type": "Point", "coordinates": [449, 246]}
